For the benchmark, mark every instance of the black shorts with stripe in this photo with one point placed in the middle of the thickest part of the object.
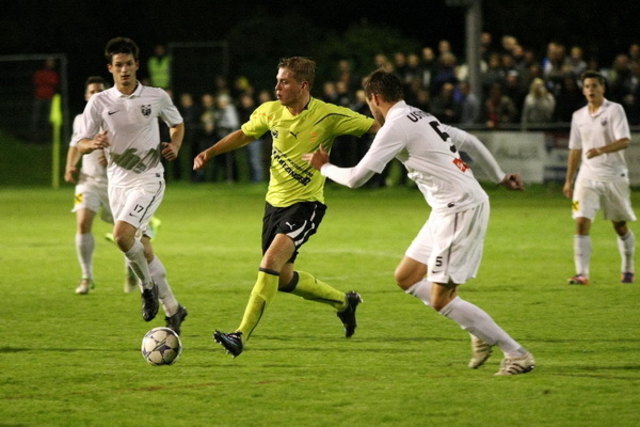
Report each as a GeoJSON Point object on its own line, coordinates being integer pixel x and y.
{"type": "Point", "coordinates": [298, 221]}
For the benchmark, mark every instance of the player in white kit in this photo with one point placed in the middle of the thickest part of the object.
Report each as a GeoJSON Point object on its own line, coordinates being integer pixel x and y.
{"type": "Point", "coordinates": [447, 250]}
{"type": "Point", "coordinates": [599, 135]}
{"type": "Point", "coordinates": [123, 121]}
{"type": "Point", "coordinates": [91, 197]}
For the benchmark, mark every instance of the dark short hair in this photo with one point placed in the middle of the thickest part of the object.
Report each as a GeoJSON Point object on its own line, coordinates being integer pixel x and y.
{"type": "Point", "coordinates": [304, 69]}
{"type": "Point", "coordinates": [591, 74]}
{"type": "Point", "coordinates": [95, 79]}
{"type": "Point", "coordinates": [384, 84]}
{"type": "Point", "coordinates": [121, 45]}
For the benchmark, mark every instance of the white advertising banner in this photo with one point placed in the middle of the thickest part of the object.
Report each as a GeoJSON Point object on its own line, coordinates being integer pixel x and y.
{"type": "Point", "coordinates": [542, 156]}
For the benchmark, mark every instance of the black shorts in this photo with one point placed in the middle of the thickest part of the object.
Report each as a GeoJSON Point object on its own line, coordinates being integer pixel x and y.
{"type": "Point", "coordinates": [298, 221]}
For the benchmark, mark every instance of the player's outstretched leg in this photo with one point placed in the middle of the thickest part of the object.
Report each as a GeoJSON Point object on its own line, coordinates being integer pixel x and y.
{"type": "Point", "coordinates": [308, 287]}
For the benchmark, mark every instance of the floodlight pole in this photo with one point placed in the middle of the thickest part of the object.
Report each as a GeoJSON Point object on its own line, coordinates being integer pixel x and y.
{"type": "Point", "coordinates": [473, 32]}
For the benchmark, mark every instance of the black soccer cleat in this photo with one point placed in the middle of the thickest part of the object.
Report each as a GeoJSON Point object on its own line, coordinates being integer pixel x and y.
{"type": "Point", "coordinates": [174, 322]}
{"type": "Point", "coordinates": [150, 303]}
{"type": "Point", "coordinates": [348, 315]}
{"type": "Point", "coordinates": [232, 342]}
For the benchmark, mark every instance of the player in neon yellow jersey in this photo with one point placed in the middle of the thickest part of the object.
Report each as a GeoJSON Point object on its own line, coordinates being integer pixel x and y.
{"type": "Point", "coordinates": [298, 124]}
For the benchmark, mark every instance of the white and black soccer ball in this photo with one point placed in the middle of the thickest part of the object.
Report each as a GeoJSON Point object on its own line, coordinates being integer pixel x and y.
{"type": "Point", "coordinates": [161, 346]}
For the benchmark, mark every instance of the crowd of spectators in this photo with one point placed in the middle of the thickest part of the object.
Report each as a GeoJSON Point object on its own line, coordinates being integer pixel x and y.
{"type": "Point", "coordinates": [520, 89]}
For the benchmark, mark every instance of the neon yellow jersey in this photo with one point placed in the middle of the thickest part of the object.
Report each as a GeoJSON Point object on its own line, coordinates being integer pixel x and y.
{"type": "Point", "coordinates": [292, 179]}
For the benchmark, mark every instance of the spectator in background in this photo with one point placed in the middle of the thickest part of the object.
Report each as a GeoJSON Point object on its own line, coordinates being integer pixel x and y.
{"type": "Point", "coordinates": [428, 65]}
{"type": "Point", "coordinates": [207, 130]}
{"type": "Point", "coordinates": [620, 79]}
{"type": "Point", "coordinates": [469, 105]}
{"type": "Point", "coordinates": [413, 71]}
{"type": "Point", "coordinates": [513, 89]}
{"type": "Point", "coordinates": [329, 93]}
{"type": "Point", "coordinates": [226, 121]}
{"type": "Point", "coordinates": [498, 109]}
{"type": "Point", "coordinates": [445, 72]}
{"type": "Point", "coordinates": [576, 62]}
{"type": "Point", "coordinates": [568, 100]}
{"type": "Point", "coordinates": [538, 105]}
{"type": "Point", "coordinates": [159, 68]}
{"type": "Point", "coordinates": [400, 65]}
{"type": "Point", "coordinates": [445, 106]}
{"type": "Point", "coordinates": [45, 85]}
{"type": "Point", "coordinates": [493, 74]}
{"type": "Point", "coordinates": [254, 150]}
{"type": "Point", "coordinates": [555, 65]}
{"type": "Point", "coordinates": [191, 116]}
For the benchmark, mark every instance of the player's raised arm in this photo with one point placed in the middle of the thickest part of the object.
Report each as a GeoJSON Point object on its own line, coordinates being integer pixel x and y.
{"type": "Point", "coordinates": [351, 177]}
{"type": "Point", "coordinates": [233, 141]}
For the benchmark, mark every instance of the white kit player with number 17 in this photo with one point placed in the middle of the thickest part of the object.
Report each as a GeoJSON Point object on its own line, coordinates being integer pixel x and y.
{"type": "Point", "coordinates": [128, 115]}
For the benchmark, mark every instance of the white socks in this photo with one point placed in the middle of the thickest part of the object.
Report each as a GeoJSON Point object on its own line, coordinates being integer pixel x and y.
{"type": "Point", "coordinates": [470, 318]}
{"type": "Point", "coordinates": [85, 244]}
{"type": "Point", "coordinates": [582, 254]}
{"type": "Point", "coordinates": [627, 248]}
{"type": "Point", "coordinates": [421, 290]}
{"type": "Point", "coordinates": [159, 275]}
{"type": "Point", "coordinates": [478, 323]}
{"type": "Point", "coordinates": [138, 263]}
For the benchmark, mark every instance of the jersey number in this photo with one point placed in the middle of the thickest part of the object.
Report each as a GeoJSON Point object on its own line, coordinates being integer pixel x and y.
{"type": "Point", "coordinates": [460, 164]}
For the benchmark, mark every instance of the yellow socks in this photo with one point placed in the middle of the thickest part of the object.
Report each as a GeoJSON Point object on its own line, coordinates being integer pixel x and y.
{"type": "Point", "coordinates": [308, 287]}
{"type": "Point", "coordinates": [263, 291]}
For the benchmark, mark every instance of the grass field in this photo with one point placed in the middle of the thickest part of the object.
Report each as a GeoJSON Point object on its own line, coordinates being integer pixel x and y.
{"type": "Point", "coordinates": [75, 360]}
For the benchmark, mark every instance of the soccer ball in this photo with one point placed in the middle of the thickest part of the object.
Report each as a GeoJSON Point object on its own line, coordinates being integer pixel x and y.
{"type": "Point", "coordinates": [161, 346]}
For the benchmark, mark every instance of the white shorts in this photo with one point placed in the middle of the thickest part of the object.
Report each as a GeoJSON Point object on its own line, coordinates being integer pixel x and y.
{"type": "Point", "coordinates": [450, 244]}
{"type": "Point", "coordinates": [614, 198]}
{"type": "Point", "coordinates": [93, 196]}
{"type": "Point", "coordinates": [136, 205]}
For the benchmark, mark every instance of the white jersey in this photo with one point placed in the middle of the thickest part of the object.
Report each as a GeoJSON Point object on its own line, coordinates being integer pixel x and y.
{"type": "Point", "coordinates": [131, 122]}
{"type": "Point", "coordinates": [91, 169]}
{"type": "Point", "coordinates": [589, 131]}
{"type": "Point", "coordinates": [419, 141]}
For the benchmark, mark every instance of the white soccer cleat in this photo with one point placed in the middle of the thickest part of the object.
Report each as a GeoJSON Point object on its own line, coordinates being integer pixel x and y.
{"type": "Point", "coordinates": [84, 286]}
{"type": "Point", "coordinates": [480, 352]}
{"type": "Point", "coordinates": [516, 365]}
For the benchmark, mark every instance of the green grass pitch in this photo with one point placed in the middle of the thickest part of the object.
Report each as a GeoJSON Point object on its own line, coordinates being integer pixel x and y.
{"type": "Point", "coordinates": [75, 360]}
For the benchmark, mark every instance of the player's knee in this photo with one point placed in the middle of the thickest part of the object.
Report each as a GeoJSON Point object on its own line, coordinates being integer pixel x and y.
{"type": "Point", "coordinates": [405, 278]}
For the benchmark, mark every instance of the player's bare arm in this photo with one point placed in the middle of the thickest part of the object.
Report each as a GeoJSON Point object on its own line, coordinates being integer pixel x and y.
{"type": "Point", "coordinates": [618, 145]}
{"type": "Point", "coordinates": [233, 141]}
{"type": "Point", "coordinates": [572, 169]}
{"type": "Point", "coordinates": [171, 149]}
{"type": "Point", "coordinates": [101, 141]}
{"type": "Point", "coordinates": [71, 169]}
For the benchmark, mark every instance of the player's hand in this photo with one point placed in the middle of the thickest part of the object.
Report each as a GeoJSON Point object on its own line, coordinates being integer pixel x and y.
{"type": "Point", "coordinates": [513, 181]}
{"type": "Point", "coordinates": [200, 160]}
{"type": "Point", "coordinates": [567, 190]}
{"type": "Point", "coordinates": [170, 150]}
{"type": "Point", "coordinates": [70, 174]}
{"type": "Point", "coordinates": [318, 158]}
{"type": "Point", "coordinates": [593, 152]}
{"type": "Point", "coordinates": [100, 141]}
